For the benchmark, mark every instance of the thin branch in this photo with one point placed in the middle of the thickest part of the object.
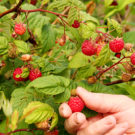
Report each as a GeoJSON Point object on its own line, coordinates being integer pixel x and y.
{"type": "Point", "coordinates": [102, 72]}
{"type": "Point", "coordinates": [21, 130]}
{"type": "Point", "coordinates": [118, 82]}
{"type": "Point", "coordinates": [42, 10]}
{"type": "Point", "coordinates": [14, 9]}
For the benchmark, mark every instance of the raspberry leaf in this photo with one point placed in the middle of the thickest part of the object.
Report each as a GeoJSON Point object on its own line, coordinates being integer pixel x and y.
{"type": "Point", "coordinates": [129, 37]}
{"type": "Point", "coordinates": [79, 60]}
{"type": "Point", "coordinates": [103, 57]}
{"type": "Point", "coordinates": [3, 45]}
{"type": "Point", "coordinates": [22, 46]}
{"type": "Point", "coordinates": [50, 85]}
{"type": "Point", "coordinates": [36, 112]}
{"type": "Point", "coordinates": [54, 121]}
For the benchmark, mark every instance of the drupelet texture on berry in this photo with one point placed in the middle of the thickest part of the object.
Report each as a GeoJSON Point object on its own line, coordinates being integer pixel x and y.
{"type": "Point", "coordinates": [76, 104]}
{"type": "Point", "coordinates": [20, 28]}
{"type": "Point", "coordinates": [133, 58]}
{"type": "Point", "coordinates": [116, 45]}
{"type": "Point", "coordinates": [88, 48]}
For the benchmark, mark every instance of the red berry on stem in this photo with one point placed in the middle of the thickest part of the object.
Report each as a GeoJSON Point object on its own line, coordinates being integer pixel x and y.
{"type": "Point", "coordinates": [20, 74]}
{"type": "Point", "coordinates": [88, 48]}
{"type": "Point", "coordinates": [76, 104]}
{"type": "Point", "coordinates": [76, 24]}
{"type": "Point", "coordinates": [20, 29]}
{"type": "Point", "coordinates": [118, 55]}
{"type": "Point", "coordinates": [116, 45]}
{"type": "Point", "coordinates": [33, 2]}
{"type": "Point", "coordinates": [34, 74]}
{"type": "Point", "coordinates": [114, 3]}
{"type": "Point", "coordinates": [133, 58]}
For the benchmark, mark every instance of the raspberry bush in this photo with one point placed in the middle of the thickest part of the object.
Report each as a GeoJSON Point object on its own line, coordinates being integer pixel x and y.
{"type": "Point", "coordinates": [50, 47]}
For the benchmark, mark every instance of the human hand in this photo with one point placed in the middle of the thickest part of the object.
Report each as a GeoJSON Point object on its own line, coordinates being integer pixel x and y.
{"type": "Point", "coordinates": [116, 115]}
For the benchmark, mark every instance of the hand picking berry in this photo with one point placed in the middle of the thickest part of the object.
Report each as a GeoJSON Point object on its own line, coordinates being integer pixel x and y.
{"type": "Point", "coordinates": [133, 58]}
{"type": "Point", "coordinates": [76, 104]}
{"type": "Point", "coordinates": [88, 48]}
{"type": "Point", "coordinates": [34, 74]}
{"type": "Point", "coordinates": [76, 24]}
{"type": "Point", "coordinates": [116, 45]}
{"type": "Point", "coordinates": [20, 28]}
{"type": "Point", "coordinates": [21, 74]}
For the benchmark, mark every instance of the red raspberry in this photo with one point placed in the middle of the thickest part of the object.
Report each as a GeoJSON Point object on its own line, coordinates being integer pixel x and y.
{"type": "Point", "coordinates": [88, 48]}
{"type": "Point", "coordinates": [76, 24]}
{"type": "Point", "coordinates": [116, 45]}
{"type": "Point", "coordinates": [114, 3]}
{"type": "Point", "coordinates": [76, 104]}
{"type": "Point", "coordinates": [20, 28]}
{"type": "Point", "coordinates": [20, 74]}
{"type": "Point", "coordinates": [34, 74]}
{"type": "Point", "coordinates": [118, 55]}
{"type": "Point", "coordinates": [133, 58]}
{"type": "Point", "coordinates": [55, 132]}
{"type": "Point", "coordinates": [33, 2]}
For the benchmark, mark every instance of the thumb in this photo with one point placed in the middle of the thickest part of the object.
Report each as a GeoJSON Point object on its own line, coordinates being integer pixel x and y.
{"type": "Point", "coordinates": [104, 103]}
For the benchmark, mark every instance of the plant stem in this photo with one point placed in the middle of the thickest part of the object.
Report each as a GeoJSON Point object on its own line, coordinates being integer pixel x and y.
{"type": "Point", "coordinates": [42, 10]}
{"type": "Point", "coordinates": [102, 72]}
{"type": "Point", "coordinates": [21, 130]}
{"type": "Point", "coordinates": [117, 82]}
{"type": "Point", "coordinates": [14, 9]}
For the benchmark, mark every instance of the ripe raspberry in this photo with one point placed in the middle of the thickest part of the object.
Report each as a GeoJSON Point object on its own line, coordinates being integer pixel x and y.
{"type": "Point", "coordinates": [55, 132]}
{"type": "Point", "coordinates": [99, 48]}
{"type": "Point", "coordinates": [76, 104]}
{"type": "Point", "coordinates": [20, 28]}
{"type": "Point", "coordinates": [76, 24]}
{"type": "Point", "coordinates": [116, 45]}
{"type": "Point", "coordinates": [33, 2]}
{"type": "Point", "coordinates": [88, 48]}
{"type": "Point", "coordinates": [34, 74]}
{"type": "Point", "coordinates": [20, 74]}
{"type": "Point", "coordinates": [133, 58]}
{"type": "Point", "coordinates": [118, 55]}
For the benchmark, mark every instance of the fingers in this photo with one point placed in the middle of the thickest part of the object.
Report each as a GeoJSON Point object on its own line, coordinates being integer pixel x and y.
{"type": "Point", "coordinates": [74, 122]}
{"type": "Point", "coordinates": [119, 129]}
{"type": "Point", "coordinates": [100, 127]}
{"type": "Point", "coordinates": [64, 110]}
{"type": "Point", "coordinates": [104, 103]}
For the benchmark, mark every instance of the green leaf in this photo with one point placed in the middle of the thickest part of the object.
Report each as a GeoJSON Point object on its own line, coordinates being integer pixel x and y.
{"type": "Point", "coordinates": [45, 2]}
{"type": "Point", "coordinates": [129, 37]}
{"type": "Point", "coordinates": [36, 112]}
{"type": "Point", "coordinates": [21, 98]}
{"type": "Point", "coordinates": [62, 97]}
{"type": "Point", "coordinates": [48, 38]}
{"type": "Point", "coordinates": [115, 26]}
{"type": "Point", "coordinates": [86, 71]}
{"type": "Point", "coordinates": [107, 2]}
{"type": "Point", "coordinates": [79, 60]}
{"type": "Point", "coordinates": [87, 30]}
{"type": "Point", "coordinates": [50, 85]}
{"type": "Point", "coordinates": [22, 46]}
{"type": "Point", "coordinates": [3, 45]}
{"type": "Point", "coordinates": [103, 57]}
{"type": "Point", "coordinates": [73, 14]}
{"type": "Point", "coordinates": [54, 121]}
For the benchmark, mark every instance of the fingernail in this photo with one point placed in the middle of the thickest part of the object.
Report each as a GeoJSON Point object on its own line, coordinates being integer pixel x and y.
{"type": "Point", "coordinates": [110, 120]}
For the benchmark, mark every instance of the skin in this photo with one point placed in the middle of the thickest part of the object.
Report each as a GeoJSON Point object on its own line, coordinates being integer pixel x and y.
{"type": "Point", "coordinates": [116, 115]}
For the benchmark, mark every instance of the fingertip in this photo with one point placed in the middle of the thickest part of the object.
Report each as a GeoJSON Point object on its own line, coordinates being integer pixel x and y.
{"type": "Point", "coordinates": [65, 111]}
